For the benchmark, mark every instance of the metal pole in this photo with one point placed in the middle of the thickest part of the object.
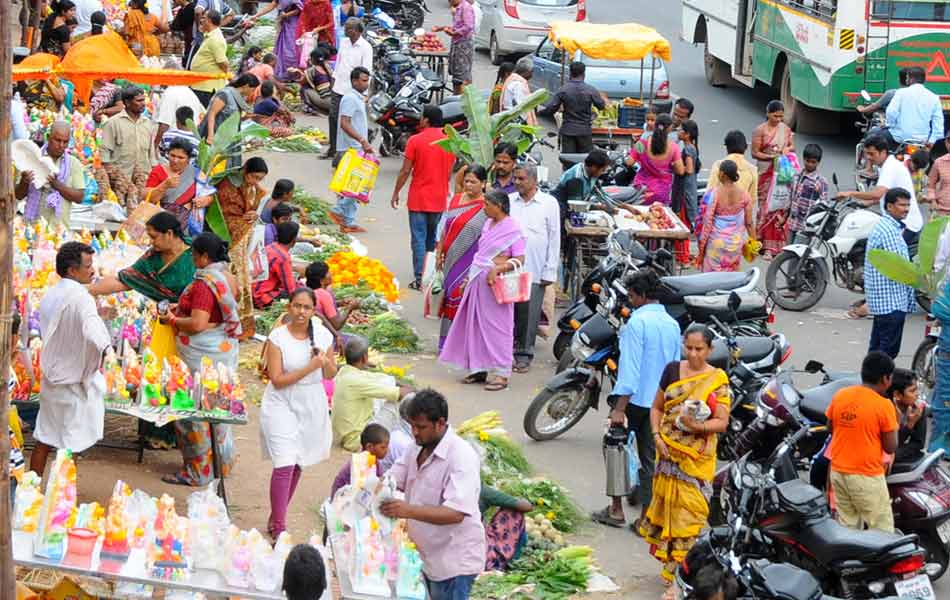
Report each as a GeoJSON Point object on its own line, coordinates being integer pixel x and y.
{"type": "Point", "coordinates": [7, 204]}
{"type": "Point", "coordinates": [652, 76]}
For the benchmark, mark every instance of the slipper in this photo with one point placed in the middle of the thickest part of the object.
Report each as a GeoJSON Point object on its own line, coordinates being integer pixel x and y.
{"type": "Point", "coordinates": [335, 218]}
{"type": "Point", "coordinates": [496, 385]}
{"type": "Point", "coordinates": [475, 378]}
{"type": "Point", "coordinates": [521, 367]}
{"type": "Point", "coordinates": [635, 527]}
{"type": "Point", "coordinates": [176, 479]}
{"type": "Point", "coordinates": [415, 284]}
{"type": "Point", "coordinates": [604, 517]}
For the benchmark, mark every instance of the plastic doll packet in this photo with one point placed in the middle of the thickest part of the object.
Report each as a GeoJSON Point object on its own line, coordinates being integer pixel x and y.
{"type": "Point", "coordinates": [208, 521]}
{"type": "Point", "coordinates": [28, 501]}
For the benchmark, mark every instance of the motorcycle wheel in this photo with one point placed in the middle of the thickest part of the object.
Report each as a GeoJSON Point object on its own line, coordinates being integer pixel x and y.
{"type": "Point", "coordinates": [813, 279]}
{"type": "Point", "coordinates": [562, 343]}
{"type": "Point", "coordinates": [564, 406]}
{"type": "Point", "coordinates": [937, 551]}
{"type": "Point", "coordinates": [923, 363]}
{"type": "Point", "coordinates": [410, 18]}
{"type": "Point", "coordinates": [923, 301]}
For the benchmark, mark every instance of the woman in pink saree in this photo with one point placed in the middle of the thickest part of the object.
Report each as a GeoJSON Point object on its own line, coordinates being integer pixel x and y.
{"type": "Point", "coordinates": [481, 337]}
{"type": "Point", "coordinates": [771, 141]}
{"type": "Point", "coordinates": [659, 158]}
{"type": "Point", "coordinates": [727, 223]}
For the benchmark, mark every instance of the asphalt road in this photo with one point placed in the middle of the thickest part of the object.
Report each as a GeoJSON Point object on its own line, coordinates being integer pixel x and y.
{"type": "Point", "coordinates": [575, 459]}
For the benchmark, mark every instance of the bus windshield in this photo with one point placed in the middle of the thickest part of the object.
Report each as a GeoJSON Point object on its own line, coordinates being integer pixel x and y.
{"type": "Point", "coordinates": [912, 10]}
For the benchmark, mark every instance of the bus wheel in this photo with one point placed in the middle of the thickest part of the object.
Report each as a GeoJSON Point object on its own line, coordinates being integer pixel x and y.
{"type": "Point", "coordinates": [716, 70]}
{"type": "Point", "coordinates": [792, 106]}
{"type": "Point", "coordinates": [803, 118]}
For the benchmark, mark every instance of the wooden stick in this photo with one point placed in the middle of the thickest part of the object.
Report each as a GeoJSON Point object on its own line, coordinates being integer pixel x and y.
{"type": "Point", "coordinates": [7, 206]}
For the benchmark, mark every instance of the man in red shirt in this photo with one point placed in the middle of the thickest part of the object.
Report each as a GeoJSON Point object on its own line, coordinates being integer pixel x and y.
{"type": "Point", "coordinates": [431, 169]}
{"type": "Point", "coordinates": [281, 280]}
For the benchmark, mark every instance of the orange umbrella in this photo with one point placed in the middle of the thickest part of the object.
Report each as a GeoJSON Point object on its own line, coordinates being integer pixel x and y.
{"type": "Point", "coordinates": [104, 56]}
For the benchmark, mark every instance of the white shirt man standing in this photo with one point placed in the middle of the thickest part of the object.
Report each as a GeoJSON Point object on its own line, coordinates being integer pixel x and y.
{"type": "Point", "coordinates": [540, 219]}
{"type": "Point", "coordinates": [354, 51]}
{"type": "Point", "coordinates": [74, 338]}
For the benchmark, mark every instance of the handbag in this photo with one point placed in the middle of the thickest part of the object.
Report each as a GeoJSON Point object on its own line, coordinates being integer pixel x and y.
{"type": "Point", "coordinates": [514, 286]}
{"type": "Point", "coordinates": [433, 296]}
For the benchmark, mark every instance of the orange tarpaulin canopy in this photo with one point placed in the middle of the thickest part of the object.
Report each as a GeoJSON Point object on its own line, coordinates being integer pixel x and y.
{"type": "Point", "coordinates": [97, 57]}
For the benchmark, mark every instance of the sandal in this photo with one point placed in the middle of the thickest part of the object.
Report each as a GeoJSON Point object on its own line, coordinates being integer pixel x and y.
{"type": "Point", "coordinates": [497, 385]}
{"type": "Point", "coordinates": [481, 377]}
{"type": "Point", "coordinates": [604, 517]}
{"type": "Point", "coordinates": [635, 527]}
{"type": "Point", "coordinates": [521, 366]}
{"type": "Point", "coordinates": [176, 479]}
{"type": "Point", "coordinates": [415, 285]}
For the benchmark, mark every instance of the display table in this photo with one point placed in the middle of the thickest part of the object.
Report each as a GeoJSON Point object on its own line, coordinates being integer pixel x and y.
{"type": "Point", "coordinates": [210, 583]}
{"type": "Point", "coordinates": [161, 416]}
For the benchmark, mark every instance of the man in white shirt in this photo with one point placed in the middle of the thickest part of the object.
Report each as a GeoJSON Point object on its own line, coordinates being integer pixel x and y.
{"type": "Point", "coordinates": [173, 98]}
{"type": "Point", "coordinates": [84, 10]}
{"type": "Point", "coordinates": [892, 174]}
{"type": "Point", "coordinates": [74, 338]}
{"type": "Point", "coordinates": [540, 219]}
{"type": "Point", "coordinates": [354, 51]}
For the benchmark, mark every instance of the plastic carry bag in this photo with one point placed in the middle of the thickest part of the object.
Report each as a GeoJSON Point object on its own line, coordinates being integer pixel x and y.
{"type": "Point", "coordinates": [257, 265]}
{"type": "Point", "coordinates": [633, 460]}
{"type": "Point", "coordinates": [433, 296]}
{"type": "Point", "coordinates": [355, 175]}
{"type": "Point", "coordinates": [784, 169]}
{"type": "Point", "coordinates": [513, 286]}
{"type": "Point", "coordinates": [163, 341]}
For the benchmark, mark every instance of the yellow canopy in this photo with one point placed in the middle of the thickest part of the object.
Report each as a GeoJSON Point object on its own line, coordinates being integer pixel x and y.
{"type": "Point", "coordinates": [104, 56]}
{"type": "Point", "coordinates": [625, 41]}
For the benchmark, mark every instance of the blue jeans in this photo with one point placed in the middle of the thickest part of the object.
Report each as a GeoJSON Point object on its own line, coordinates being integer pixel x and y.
{"type": "Point", "coordinates": [887, 332]}
{"type": "Point", "coordinates": [456, 588]}
{"type": "Point", "coordinates": [346, 208]}
{"type": "Point", "coordinates": [422, 226]}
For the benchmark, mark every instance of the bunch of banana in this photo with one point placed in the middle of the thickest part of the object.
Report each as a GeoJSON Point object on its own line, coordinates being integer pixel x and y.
{"type": "Point", "coordinates": [485, 421]}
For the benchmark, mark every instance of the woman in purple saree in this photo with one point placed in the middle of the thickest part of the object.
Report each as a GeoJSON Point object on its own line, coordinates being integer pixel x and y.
{"type": "Point", "coordinates": [481, 337]}
{"type": "Point", "coordinates": [285, 46]}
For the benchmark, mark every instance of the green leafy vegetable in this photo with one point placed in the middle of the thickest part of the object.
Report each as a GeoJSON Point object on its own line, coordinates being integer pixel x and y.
{"type": "Point", "coordinates": [547, 497]}
{"type": "Point", "coordinates": [388, 333]}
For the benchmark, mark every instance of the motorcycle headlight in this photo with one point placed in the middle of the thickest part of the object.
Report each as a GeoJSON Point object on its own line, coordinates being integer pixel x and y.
{"type": "Point", "coordinates": [933, 506]}
{"type": "Point", "coordinates": [579, 349]}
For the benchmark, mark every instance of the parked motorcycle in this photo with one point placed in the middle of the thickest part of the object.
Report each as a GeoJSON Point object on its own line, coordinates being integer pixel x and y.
{"type": "Point", "coordinates": [835, 236]}
{"type": "Point", "coordinates": [924, 362]}
{"type": "Point", "coordinates": [408, 14]}
{"type": "Point", "coordinates": [919, 490]}
{"type": "Point", "coordinates": [398, 117]}
{"type": "Point", "coordinates": [595, 351]}
{"type": "Point", "coordinates": [790, 522]}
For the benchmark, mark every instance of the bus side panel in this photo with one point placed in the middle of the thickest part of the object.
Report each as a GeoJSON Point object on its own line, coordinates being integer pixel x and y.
{"type": "Point", "coordinates": [720, 36]}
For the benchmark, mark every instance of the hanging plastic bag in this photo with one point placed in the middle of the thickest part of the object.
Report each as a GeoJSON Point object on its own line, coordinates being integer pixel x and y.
{"type": "Point", "coordinates": [257, 265]}
{"type": "Point", "coordinates": [633, 460]}
{"type": "Point", "coordinates": [355, 175]}
{"type": "Point", "coordinates": [433, 296]}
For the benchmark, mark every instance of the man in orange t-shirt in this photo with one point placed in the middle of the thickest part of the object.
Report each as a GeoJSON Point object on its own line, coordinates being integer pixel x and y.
{"type": "Point", "coordinates": [863, 427]}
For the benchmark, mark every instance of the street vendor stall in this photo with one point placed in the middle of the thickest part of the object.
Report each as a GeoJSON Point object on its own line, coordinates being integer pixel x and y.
{"type": "Point", "coordinates": [620, 42]}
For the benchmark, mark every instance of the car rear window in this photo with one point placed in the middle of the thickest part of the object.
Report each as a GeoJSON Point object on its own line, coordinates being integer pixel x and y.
{"type": "Point", "coordinates": [549, 2]}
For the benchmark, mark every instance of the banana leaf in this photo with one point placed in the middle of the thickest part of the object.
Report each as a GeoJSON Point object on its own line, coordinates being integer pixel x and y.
{"type": "Point", "coordinates": [895, 267]}
{"type": "Point", "coordinates": [455, 143]}
{"type": "Point", "coordinates": [214, 219]}
{"type": "Point", "coordinates": [499, 120]}
{"type": "Point", "coordinates": [480, 133]}
{"type": "Point", "coordinates": [927, 245]}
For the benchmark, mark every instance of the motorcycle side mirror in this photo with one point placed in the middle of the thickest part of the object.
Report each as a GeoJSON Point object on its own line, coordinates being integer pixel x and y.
{"type": "Point", "coordinates": [865, 96]}
{"type": "Point", "coordinates": [813, 366]}
{"type": "Point", "coordinates": [734, 301]}
{"type": "Point", "coordinates": [834, 179]}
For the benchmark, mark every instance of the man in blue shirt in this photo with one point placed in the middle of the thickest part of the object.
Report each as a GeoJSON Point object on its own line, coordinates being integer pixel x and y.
{"type": "Point", "coordinates": [352, 132]}
{"type": "Point", "coordinates": [649, 341]}
{"type": "Point", "coordinates": [578, 181]}
{"type": "Point", "coordinates": [888, 301]}
{"type": "Point", "coordinates": [915, 112]}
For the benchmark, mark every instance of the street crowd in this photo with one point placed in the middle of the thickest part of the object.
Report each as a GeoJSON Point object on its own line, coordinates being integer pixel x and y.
{"type": "Point", "coordinates": [481, 227]}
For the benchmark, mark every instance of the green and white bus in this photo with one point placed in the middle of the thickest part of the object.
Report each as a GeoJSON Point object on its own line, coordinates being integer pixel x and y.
{"type": "Point", "coordinates": [820, 54]}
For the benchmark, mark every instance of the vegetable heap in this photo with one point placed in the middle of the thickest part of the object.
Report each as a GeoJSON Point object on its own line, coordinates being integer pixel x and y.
{"type": "Point", "coordinates": [540, 575]}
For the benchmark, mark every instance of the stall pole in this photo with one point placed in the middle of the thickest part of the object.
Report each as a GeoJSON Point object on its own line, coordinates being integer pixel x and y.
{"type": "Point", "coordinates": [7, 573]}
{"type": "Point", "coordinates": [33, 32]}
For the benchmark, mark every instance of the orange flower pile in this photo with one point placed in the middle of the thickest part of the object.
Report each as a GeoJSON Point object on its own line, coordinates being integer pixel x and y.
{"type": "Point", "coordinates": [349, 268]}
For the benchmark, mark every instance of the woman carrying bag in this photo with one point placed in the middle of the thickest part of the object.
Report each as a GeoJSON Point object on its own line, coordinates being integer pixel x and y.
{"type": "Point", "coordinates": [481, 337]}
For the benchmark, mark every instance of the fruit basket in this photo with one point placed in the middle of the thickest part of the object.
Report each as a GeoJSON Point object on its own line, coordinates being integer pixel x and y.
{"type": "Point", "coordinates": [656, 221]}
{"type": "Point", "coordinates": [427, 43]}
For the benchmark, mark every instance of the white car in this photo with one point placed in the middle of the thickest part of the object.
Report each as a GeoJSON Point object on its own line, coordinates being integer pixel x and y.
{"type": "Point", "coordinates": [518, 26]}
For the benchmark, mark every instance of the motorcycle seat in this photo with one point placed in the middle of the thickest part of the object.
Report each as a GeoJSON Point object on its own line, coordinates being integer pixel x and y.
{"type": "Point", "coordinates": [814, 402]}
{"type": "Point", "coordinates": [908, 472]}
{"type": "Point", "coordinates": [752, 349]}
{"type": "Point", "coordinates": [752, 305]}
{"type": "Point", "coordinates": [572, 158]}
{"type": "Point", "coordinates": [831, 542]}
{"type": "Point", "coordinates": [430, 75]}
{"type": "Point", "coordinates": [452, 111]}
{"type": "Point", "coordinates": [789, 581]}
{"type": "Point", "coordinates": [703, 283]}
{"type": "Point", "coordinates": [621, 193]}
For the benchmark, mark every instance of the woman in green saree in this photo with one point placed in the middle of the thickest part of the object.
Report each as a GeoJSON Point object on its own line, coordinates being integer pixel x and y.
{"type": "Point", "coordinates": [162, 273]}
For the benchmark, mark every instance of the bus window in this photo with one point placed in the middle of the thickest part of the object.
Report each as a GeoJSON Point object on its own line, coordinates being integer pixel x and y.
{"type": "Point", "coordinates": [911, 10]}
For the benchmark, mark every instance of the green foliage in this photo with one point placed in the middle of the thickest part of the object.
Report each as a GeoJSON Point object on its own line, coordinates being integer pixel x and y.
{"type": "Point", "coordinates": [228, 139]}
{"type": "Point", "coordinates": [315, 210]}
{"type": "Point", "coordinates": [919, 274]}
{"type": "Point", "coordinates": [476, 145]}
{"type": "Point", "coordinates": [388, 333]}
{"type": "Point", "coordinates": [268, 316]}
{"type": "Point", "coordinates": [547, 497]}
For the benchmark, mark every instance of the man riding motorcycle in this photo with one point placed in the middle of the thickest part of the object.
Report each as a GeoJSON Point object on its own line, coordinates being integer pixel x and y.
{"type": "Point", "coordinates": [884, 101]}
{"type": "Point", "coordinates": [914, 113]}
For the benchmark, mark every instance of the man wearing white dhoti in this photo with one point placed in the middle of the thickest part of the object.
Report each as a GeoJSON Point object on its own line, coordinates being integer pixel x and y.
{"type": "Point", "coordinates": [74, 338]}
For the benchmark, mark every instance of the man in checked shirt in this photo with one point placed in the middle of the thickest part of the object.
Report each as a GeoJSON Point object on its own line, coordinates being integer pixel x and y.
{"type": "Point", "coordinates": [888, 301]}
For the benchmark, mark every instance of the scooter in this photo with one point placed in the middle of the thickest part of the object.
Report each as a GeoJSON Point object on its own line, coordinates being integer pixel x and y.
{"type": "Point", "coordinates": [790, 521]}
{"type": "Point", "coordinates": [833, 242]}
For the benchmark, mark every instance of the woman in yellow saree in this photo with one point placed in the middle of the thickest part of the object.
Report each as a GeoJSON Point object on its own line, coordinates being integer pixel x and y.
{"type": "Point", "coordinates": [690, 409]}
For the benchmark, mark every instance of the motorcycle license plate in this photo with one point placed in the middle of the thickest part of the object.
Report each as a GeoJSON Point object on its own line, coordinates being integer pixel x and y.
{"type": "Point", "coordinates": [935, 329]}
{"type": "Point", "coordinates": [944, 531]}
{"type": "Point", "coordinates": [916, 587]}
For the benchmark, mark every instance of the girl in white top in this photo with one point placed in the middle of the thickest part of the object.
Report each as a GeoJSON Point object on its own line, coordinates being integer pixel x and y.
{"type": "Point", "coordinates": [295, 418]}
